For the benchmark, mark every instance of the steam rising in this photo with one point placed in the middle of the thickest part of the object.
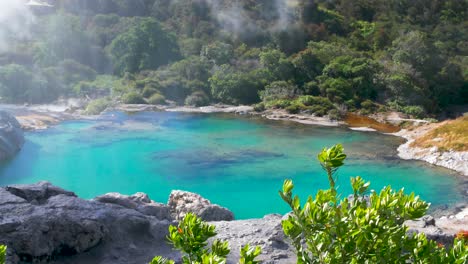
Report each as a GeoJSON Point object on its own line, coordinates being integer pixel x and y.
{"type": "Point", "coordinates": [235, 19]}
{"type": "Point", "coordinates": [15, 22]}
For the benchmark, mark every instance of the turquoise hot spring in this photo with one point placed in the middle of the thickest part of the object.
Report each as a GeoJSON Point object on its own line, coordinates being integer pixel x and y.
{"type": "Point", "coordinates": [238, 162]}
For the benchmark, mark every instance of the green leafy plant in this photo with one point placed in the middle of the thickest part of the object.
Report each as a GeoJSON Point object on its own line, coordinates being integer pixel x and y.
{"type": "Point", "coordinates": [161, 260]}
{"type": "Point", "coordinates": [97, 106]}
{"type": "Point", "coordinates": [197, 98]}
{"type": "Point", "coordinates": [3, 250]}
{"type": "Point", "coordinates": [361, 228]}
{"type": "Point", "coordinates": [190, 237]}
{"type": "Point", "coordinates": [133, 98]}
{"type": "Point", "coordinates": [248, 254]}
{"type": "Point", "coordinates": [157, 99]}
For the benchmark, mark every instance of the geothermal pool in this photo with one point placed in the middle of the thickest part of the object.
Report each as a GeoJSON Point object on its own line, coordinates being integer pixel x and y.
{"type": "Point", "coordinates": [237, 162]}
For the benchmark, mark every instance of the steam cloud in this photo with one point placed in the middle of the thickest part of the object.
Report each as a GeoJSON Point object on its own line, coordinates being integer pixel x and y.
{"type": "Point", "coordinates": [235, 19]}
{"type": "Point", "coordinates": [15, 22]}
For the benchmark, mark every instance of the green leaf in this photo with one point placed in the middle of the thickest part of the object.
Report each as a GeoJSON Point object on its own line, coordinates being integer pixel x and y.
{"type": "Point", "coordinates": [156, 260]}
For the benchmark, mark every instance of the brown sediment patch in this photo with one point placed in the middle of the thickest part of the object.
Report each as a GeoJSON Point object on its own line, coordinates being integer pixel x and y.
{"type": "Point", "coordinates": [354, 120]}
{"type": "Point", "coordinates": [36, 121]}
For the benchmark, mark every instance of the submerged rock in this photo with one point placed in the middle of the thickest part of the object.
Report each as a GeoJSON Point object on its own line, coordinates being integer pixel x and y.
{"type": "Point", "coordinates": [11, 136]}
{"type": "Point", "coordinates": [182, 203]}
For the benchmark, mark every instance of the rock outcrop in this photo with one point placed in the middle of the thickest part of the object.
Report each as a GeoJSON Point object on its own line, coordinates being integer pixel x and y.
{"type": "Point", "coordinates": [11, 136]}
{"type": "Point", "coordinates": [182, 202]}
{"type": "Point", "coordinates": [139, 202]}
{"type": "Point", "coordinates": [42, 223]}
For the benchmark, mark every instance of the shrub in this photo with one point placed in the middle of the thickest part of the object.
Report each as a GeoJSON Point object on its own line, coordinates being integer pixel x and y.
{"type": "Point", "coordinates": [335, 114]}
{"type": "Point", "coordinates": [295, 108]}
{"type": "Point", "coordinates": [97, 106]}
{"type": "Point", "coordinates": [360, 228]}
{"type": "Point", "coordinates": [368, 106]}
{"type": "Point", "coordinates": [198, 98]}
{"type": "Point", "coordinates": [133, 98]}
{"type": "Point", "coordinates": [316, 104]}
{"type": "Point", "coordinates": [281, 103]}
{"type": "Point", "coordinates": [414, 110]}
{"type": "Point", "coordinates": [279, 90]}
{"type": "Point", "coordinates": [148, 91]}
{"type": "Point", "coordinates": [157, 99]}
{"type": "Point", "coordinates": [260, 107]}
{"type": "Point", "coordinates": [191, 236]}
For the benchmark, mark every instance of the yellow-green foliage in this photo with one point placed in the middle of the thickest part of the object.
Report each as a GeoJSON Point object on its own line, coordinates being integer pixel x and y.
{"type": "Point", "coordinates": [363, 228]}
{"type": "Point", "coordinates": [3, 249]}
{"type": "Point", "coordinates": [448, 135]}
{"type": "Point", "coordinates": [157, 99]}
{"type": "Point", "coordinates": [190, 238]}
{"type": "Point", "coordinates": [133, 98]}
{"type": "Point", "coordinates": [317, 105]}
{"type": "Point", "coordinates": [96, 107]}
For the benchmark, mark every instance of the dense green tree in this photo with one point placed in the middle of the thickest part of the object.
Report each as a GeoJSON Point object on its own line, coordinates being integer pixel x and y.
{"type": "Point", "coordinates": [65, 38]}
{"type": "Point", "coordinates": [235, 87]}
{"type": "Point", "coordinates": [218, 52]}
{"type": "Point", "coordinates": [144, 46]}
{"type": "Point", "coordinates": [279, 90]}
{"type": "Point", "coordinates": [349, 78]}
{"type": "Point", "coordinates": [409, 55]}
{"type": "Point", "coordinates": [15, 83]}
{"type": "Point", "coordinates": [277, 65]}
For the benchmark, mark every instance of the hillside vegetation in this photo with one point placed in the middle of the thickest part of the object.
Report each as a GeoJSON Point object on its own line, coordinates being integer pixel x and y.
{"type": "Point", "coordinates": [314, 56]}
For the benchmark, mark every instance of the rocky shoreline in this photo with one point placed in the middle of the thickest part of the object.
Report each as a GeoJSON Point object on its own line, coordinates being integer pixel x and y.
{"type": "Point", "coordinates": [454, 160]}
{"type": "Point", "coordinates": [42, 223]}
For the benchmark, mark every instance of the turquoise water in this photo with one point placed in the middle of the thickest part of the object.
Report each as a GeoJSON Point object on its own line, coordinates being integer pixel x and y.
{"type": "Point", "coordinates": [237, 162]}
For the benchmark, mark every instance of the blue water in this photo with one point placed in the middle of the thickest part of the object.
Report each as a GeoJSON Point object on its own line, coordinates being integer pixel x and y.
{"type": "Point", "coordinates": [237, 162]}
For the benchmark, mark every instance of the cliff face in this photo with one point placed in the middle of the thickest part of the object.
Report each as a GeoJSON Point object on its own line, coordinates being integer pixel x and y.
{"type": "Point", "coordinates": [11, 136]}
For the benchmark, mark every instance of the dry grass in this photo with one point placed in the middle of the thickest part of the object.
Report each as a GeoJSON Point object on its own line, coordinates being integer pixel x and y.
{"type": "Point", "coordinates": [449, 135]}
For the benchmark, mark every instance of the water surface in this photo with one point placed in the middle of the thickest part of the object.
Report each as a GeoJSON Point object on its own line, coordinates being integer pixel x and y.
{"type": "Point", "coordinates": [237, 162]}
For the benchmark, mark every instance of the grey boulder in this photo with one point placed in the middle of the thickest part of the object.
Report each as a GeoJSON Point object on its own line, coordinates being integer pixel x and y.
{"type": "Point", "coordinates": [181, 203]}
{"type": "Point", "coordinates": [139, 202]}
{"type": "Point", "coordinates": [11, 136]}
{"type": "Point", "coordinates": [41, 223]}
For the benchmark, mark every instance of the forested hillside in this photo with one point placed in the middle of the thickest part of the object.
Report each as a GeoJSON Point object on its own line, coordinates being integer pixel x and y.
{"type": "Point", "coordinates": [302, 55]}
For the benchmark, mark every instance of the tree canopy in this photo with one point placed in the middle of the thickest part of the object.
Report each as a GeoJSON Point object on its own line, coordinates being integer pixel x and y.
{"type": "Point", "coordinates": [398, 54]}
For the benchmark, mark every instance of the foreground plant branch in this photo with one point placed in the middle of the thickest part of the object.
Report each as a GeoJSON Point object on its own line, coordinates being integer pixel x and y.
{"type": "Point", "coordinates": [361, 228]}
{"type": "Point", "coordinates": [190, 238]}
